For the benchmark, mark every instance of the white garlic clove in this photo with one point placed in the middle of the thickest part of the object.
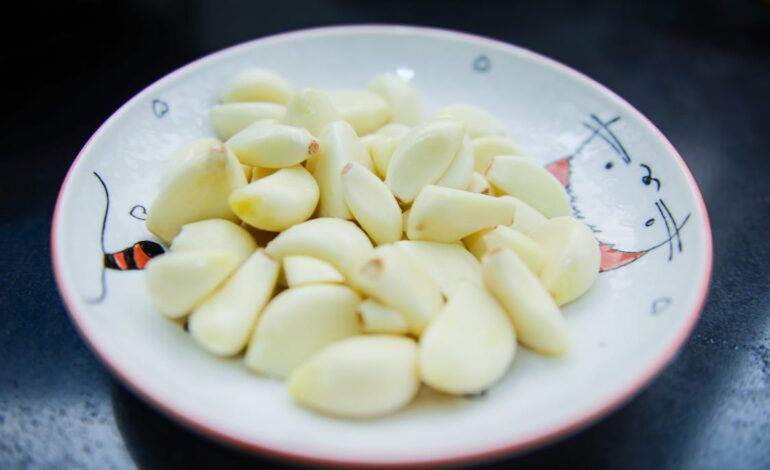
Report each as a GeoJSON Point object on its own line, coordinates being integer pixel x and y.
{"type": "Point", "coordinates": [223, 323]}
{"type": "Point", "coordinates": [215, 234]}
{"type": "Point", "coordinates": [361, 377]}
{"type": "Point", "coordinates": [526, 248]}
{"type": "Point", "coordinates": [536, 318]}
{"type": "Point", "coordinates": [338, 242]}
{"type": "Point", "coordinates": [478, 184]}
{"type": "Point", "coordinates": [310, 109]}
{"type": "Point", "coordinates": [298, 323]}
{"type": "Point", "coordinates": [487, 148]}
{"type": "Point", "coordinates": [479, 122]}
{"type": "Point", "coordinates": [460, 171]}
{"type": "Point", "coordinates": [377, 318]}
{"type": "Point", "coordinates": [231, 118]}
{"type": "Point", "coordinates": [304, 270]}
{"type": "Point", "coordinates": [270, 145]}
{"type": "Point", "coordinates": [276, 202]}
{"type": "Point", "coordinates": [256, 84]}
{"type": "Point", "coordinates": [470, 344]}
{"type": "Point", "coordinates": [446, 215]}
{"type": "Point", "coordinates": [339, 146]}
{"type": "Point", "coordinates": [403, 99]}
{"type": "Point", "coordinates": [398, 280]}
{"type": "Point", "coordinates": [448, 264]}
{"type": "Point", "coordinates": [177, 282]}
{"type": "Point", "coordinates": [372, 204]}
{"type": "Point", "coordinates": [572, 257]}
{"type": "Point", "coordinates": [422, 157]}
{"type": "Point", "coordinates": [365, 110]}
{"type": "Point", "coordinates": [196, 187]}
{"type": "Point", "coordinates": [531, 183]}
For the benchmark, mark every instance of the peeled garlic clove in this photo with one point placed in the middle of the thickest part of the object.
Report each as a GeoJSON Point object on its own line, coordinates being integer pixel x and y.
{"type": "Point", "coordinates": [377, 318]}
{"type": "Point", "coordinates": [448, 264]}
{"type": "Point", "coordinates": [469, 346]}
{"type": "Point", "coordinates": [478, 184]}
{"type": "Point", "coordinates": [273, 145]}
{"type": "Point", "coordinates": [394, 129]}
{"type": "Point", "coordinates": [339, 146]}
{"type": "Point", "coordinates": [527, 217]}
{"type": "Point", "coordinates": [255, 84]}
{"type": "Point", "coordinates": [487, 148]}
{"type": "Point", "coordinates": [196, 187]}
{"type": "Point", "coordinates": [460, 171]}
{"type": "Point", "coordinates": [177, 282]}
{"type": "Point", "coordinates": [403, 99]}
{"type": "Point", "coordinates": [303, 270]}
{"type": "Point", "coordinates": [276, 202]}
{"type": "Point", "coordinates": [381, 149]}
{"type": "Point", "coordinates": [365, 110]}
{"type": "Point", "coordinates": [223, 323]}
{"type": "Point", "coordinates": [536, 318]}
{"type": "Point", "coordinates": [215, 234]}
{"type": "Point", "coordinates": [335, 241]}
{"type": "Point", "coordinates": [399, 281]}
{"type": "Point", "coordinates": [526, 248]}
{"type": "Point", "coordinates": [311, 109]}
{"type": "Point", "coordinates": [476, 244]}
{"type": "Point", "coordinates": [231, 118]}
{"type": "Point", "coordinates": [360, 377]}
{"type": "Point", "coordinates": [258, 172]}
{"type": "Point", "coordinates": [422, 157]}
{"type": "Point", "coordinates": [531, 183]}
{"type": "Point", "coordinates": [187, 154]}
{"type": "Point", "coordinates": [572, 257]}
{"type": "Point", "coordinates": [479, 122]}
{"type": "Point", "coordinates": [372, 204]}
{"type": "Point", "coordinates": [299, 322]}
{"type": "Point", "coordinates": [446, 215]}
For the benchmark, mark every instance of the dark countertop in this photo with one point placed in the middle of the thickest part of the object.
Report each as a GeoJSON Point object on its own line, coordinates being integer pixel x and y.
{"type": "Point", "coordinates": [700, 70]}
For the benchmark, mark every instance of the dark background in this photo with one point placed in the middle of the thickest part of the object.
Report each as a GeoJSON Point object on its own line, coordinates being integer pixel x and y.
{"type": "Point", "coordinates": [700, 70]}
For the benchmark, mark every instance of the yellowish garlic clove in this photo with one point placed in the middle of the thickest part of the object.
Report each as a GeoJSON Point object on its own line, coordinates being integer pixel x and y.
{"type": "Point", "coordinates": [223, 323]}
{"type": "Point", "coordinates": [304, 270]}
{"type": "Point", "coordinates": [195, 187]}
{"type": "Point", "coordinates": [374, 317]}
{"type": "Point", "coordinates": [298, 323]}
{"type": "Point", "coordinates": [536, 318]}
{"type": "Point", "coordinates": [487, 148]}
{"type": "Point", "coordinates": [572, 258]}
{"type": "Point", "coordinates": [531, 183]}
{"type": "Point", "coordinates": [270, 145]}
{"type": "Point", "coordinates": [364, 110]}
{"type": "Point", "coordinates": [403, 99]}
{"type": "Point", "coordinates": [398, 280]}
{"type": "Point", "coordinates": [372, 204]}
{"type": "Point", "coordinates": [231, 118]}
{"type": "Point", "coordinates": [447, 215]}
{"type": "Point", "coordinates": [469, 346]}
{"type": "Point", "coordinates": [460, 171]}
{"type": "Point", "coordinates": [178, 282]}
{"type": "Point", "coordinates": [360, 377]}
{"type": "Point", "coordinates": [423, 157]}
{"type": "Point", "coordinates": [448, 264]}
{"type": "Point", "coordinates": [310, 109]}
{"type": "Point", "coordinates": [276, 202]}
{"type": "Point", "coordinates": [256, 84]}
{"type": "Point", "coordinates": [478, 121]}
{"type": "Point", "coordinates": [338, 242]}
{"type": "Point", "coordinates": [215, 234]}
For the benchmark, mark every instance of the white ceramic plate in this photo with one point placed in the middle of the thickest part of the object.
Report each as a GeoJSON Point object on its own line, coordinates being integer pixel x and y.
{"type": "Point", "coordinates": [625, 179]}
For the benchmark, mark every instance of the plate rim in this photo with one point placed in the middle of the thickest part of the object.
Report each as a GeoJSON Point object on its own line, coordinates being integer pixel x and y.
{"type": "Point", "coordinates": [537, 439]}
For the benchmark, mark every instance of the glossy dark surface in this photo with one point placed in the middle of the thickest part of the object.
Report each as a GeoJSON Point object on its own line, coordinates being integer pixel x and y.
{"type": "Point", "coordinates": [699, 70]}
